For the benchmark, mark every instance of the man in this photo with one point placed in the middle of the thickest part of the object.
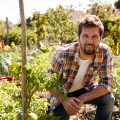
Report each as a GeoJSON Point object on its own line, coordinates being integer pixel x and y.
{"type": "Point", "coordinates": [78, 65]}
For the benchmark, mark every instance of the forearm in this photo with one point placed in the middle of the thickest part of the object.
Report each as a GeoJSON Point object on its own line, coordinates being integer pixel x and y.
{"type": "Point", "coordinates": [95, 93]}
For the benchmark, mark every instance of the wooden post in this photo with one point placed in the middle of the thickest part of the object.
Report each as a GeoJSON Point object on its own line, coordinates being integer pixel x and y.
{"type": "Point", "coordinates": [24, 61]}
{"type": "Point", "coordinates": [93, 11]}
{"type": "Point", "coordinates": [7, 27]}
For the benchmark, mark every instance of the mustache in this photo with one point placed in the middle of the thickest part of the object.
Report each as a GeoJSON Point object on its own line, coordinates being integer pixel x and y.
{"type": "Point", "coordinates": [89, 44]}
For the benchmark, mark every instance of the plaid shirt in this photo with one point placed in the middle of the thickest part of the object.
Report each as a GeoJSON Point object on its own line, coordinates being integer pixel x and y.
{"type": "Point", "coordinates": [65, 63]}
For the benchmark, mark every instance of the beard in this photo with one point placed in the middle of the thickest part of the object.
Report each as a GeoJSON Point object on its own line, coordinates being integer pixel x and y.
{"type": "Point", "coordinates": [89, 49]}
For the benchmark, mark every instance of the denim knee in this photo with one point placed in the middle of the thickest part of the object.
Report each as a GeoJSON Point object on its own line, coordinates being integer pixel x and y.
{"type": "Point", "coordinates": [108, 99]}
{"type": "Point", "coordinates": [105, 106]}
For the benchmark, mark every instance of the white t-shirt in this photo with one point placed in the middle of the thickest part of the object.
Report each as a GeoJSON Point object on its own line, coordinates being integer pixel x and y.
{"type": "Point", "coordinates": [77, 83]}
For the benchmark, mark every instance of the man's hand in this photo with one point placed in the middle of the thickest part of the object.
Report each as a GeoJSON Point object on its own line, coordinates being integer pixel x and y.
{"type": "Point", "coordinates": [71, 105]}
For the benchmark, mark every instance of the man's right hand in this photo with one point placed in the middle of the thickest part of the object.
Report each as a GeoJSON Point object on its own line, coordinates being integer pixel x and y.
{"type": "Point", "coordinates": [71, 105]}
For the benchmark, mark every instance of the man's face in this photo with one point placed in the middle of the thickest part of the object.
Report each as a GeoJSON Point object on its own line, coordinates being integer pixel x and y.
{"type": "Point", "coordinates": [89, 40]}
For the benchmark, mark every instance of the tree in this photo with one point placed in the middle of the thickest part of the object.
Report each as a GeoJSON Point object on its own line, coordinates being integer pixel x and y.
{"type": "Point", "coordinates": [112, 32]}
{"type": "Point", "coordinates": [2, 29]}
{"type": "Point", "coordinates": [60, 27]}
{"type": "Point", "coordinates": [115, 37]}
{"type": "Point", "coordinates": [37, 24]}
{"type": "Point", "coordinates": [117, 4]}
{"type": "Point", "coordinates": [102, 10]}
{"type": "Point", "coordinates": [16, 37]}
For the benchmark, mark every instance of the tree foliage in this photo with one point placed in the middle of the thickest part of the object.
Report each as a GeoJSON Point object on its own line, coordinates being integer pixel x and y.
{"type": "Point", "coordinates": [117, 4]}
{"type": "Point", "coordinates": [102, 10]}
{"type": "Point", "coordinates": [2, 29]}
{"type": "Point", "coordinates": [37, 24]}
{"type": "Point", "coordinates": [31, 38]}
{"type": "Point", "coordinates": [56, 25]}
{"type": "Point", "coordinates": [59, 25]}
{"type": "Point", "coordinates": [16, 37]}
{"type": "Point", "coordinates": [112, 32]}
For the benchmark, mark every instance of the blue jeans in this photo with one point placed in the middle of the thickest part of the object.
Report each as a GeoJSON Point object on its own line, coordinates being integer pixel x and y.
{"type": "Point", "coordinates": [104, 107]}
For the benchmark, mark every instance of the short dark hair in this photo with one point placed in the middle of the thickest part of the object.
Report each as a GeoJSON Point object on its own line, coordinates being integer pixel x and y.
{"type": "Point", "coordinates": [91, 21]}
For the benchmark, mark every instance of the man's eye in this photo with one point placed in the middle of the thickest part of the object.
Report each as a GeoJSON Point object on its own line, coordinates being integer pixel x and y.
{"type": "Point", "coordinates": [85, 36]}
{"type": "Point", "coordinates": [95, 37]}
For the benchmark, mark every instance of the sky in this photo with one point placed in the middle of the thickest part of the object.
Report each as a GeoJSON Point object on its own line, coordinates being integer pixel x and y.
{"type": "Point", "coordinates": [10, 8]}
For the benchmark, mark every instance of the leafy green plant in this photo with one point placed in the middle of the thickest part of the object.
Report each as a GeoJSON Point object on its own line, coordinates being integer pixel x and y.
{"type": "Point", "coordinates": [38, 80]}
{"type": "Point", "coordinates": [8, 58]}
{"type": "Point", "coordinates": [31, 38]}
{"type": "Point", "coordinates": [15, 36]}
{"type": "Point", "coordinates": [9, 106]}
{"type": "Point", "coordinates": [117, 80]}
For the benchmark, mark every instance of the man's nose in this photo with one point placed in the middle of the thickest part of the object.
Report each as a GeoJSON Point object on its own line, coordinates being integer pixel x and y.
{"type": "Point", "coordinates": [90, 40]}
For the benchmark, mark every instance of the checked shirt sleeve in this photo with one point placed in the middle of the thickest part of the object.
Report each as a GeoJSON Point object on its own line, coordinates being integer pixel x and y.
{"type": "Point", "coordinates": [106, 72]}
{"type": "Point", "coordinates": [57, 63]}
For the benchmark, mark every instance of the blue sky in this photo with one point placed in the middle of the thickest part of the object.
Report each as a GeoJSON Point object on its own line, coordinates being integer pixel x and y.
{"type": "Point", "coordinates": [10, 8]}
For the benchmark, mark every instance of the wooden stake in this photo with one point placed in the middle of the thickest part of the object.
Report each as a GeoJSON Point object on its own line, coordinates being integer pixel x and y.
{"type": "Point", "coordinates": [24, 61]}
